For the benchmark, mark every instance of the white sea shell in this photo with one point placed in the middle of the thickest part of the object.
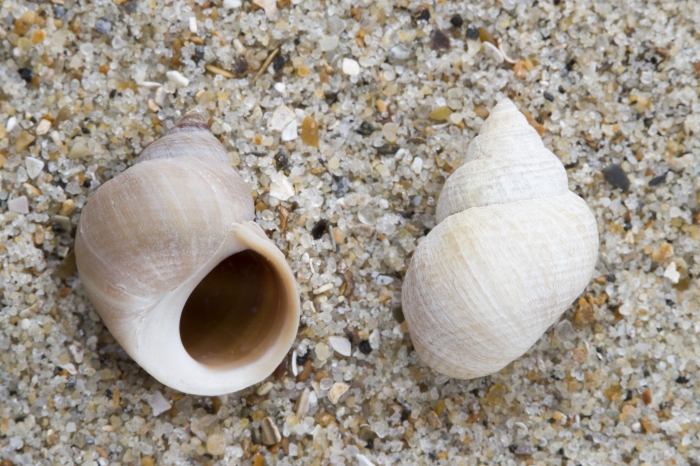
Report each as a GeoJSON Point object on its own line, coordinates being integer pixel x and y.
{"type": "Point", "coordinates": [191, 288]}
{"type": "Point", "coordinates": [512, 249]}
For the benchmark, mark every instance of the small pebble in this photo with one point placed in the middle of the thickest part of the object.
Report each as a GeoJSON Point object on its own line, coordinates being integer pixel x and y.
{"type": "Point", "coordinates": [232, 4]}
{"type": "Point", "coordinates": [399, 53]}
{"type": "Point", "coordinates": [439, 40]}
{"type": "Point", "coordinates": [329, 43]}
{"type": "Point", "coordinates": [672, 274]}
{"type": "Point", "coordinates": [337, 390]}
{"type": "Point", "coordinates": [616, 176]}
{"type": "Point", "coordinates": [11, 124]}
{"type": "Point", "coordinates": [658, 180]}
{"type": "Point", "coordinates": [417, 165]}
{"type": "Point", "coordinates": [365, 347]}
{"type": "Point", "coordinates": [309, 131]}
{"type": "Point", "coordinates": [678, 164]}
{"type": "Point", "coordinates": [216, 444]}
{"type": "Point", "coordinates": [158, 403]}
{"type": "Point", "coordinates": [322, 351]}
{"type": "Point", "coordinates": [456, 21]}
{"type": "Point", "coordinates": [177, 78]}
{"type": "Point", "coordinates": [19, 205]}
{"type": "Point", "coordinates": [269, 433]}
{"type": "Point", "coordinates": [193, 25]}
{"type": "Point", "coordinates": [440, 113]}
{"type": "Point", "coordinates": [265, 388]}
{"type": "Point", "coordinates": [280, 118]}
{"type": "Point", "coordinates": [319, 229]}
{"type": "Point", "coordinates": [270, 6]}
{"type": "Point", "coordinates": [26, 75]}
{"type": "Point", "coordinates": [390, 132]}
{"type": "Point", "coordinates": [103, 26]}
{"type": "Point", "coordinates": [291, 131]}
{"type": "Point", "coordinates": [23, 141]}
{"type": "Point", "coordinates": [34, 166]}
{"type": "Point", "coordinates": [351, 67]}
{"type": "Point", "coordinates": [79, 149]}
{"type": "Point", "coordinates": [43, 127]}
{"type": "Point", "coordinates": [280, 187]}
{"type": "Point", "coordinates": [303, 404]}
{"type": "Point", "coordinates": [341, 345]}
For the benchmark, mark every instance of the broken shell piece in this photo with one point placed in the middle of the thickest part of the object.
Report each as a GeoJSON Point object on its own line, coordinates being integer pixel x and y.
{"type": "Point", "coordinates": [493, 52]}
{"type": "Point", "coordinates": [337, 390]}
{"type": "Point", "coordinates": [503, 53]}
{"type": "Point", "coordinates": [341, 345]}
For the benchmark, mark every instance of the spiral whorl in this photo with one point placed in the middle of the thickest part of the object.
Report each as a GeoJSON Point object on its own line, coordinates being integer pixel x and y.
{"type": "Point", "coordinates": [506, 162]}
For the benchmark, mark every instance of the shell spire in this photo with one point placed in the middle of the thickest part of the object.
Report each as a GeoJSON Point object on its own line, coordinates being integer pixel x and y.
{"type": "Point", "coordinates": [512, 249]}
{"type": "Point", "coordinates": [191, 137]}
{"type": "Point", "coordinates": [506, 162]}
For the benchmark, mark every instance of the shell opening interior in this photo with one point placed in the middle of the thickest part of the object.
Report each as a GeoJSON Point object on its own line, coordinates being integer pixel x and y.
{"type": "Point", "coordinates": [235, 313]}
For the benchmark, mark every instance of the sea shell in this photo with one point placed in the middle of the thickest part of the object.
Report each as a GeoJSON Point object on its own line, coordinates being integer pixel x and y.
{"type": "Point", "coordinates": [512, 249]}
{"type": "Point", "coordinates": [189, 285]}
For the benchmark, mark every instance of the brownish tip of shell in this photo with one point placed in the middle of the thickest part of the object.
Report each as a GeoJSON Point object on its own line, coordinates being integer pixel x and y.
{"type": "Point", "coordinates": [193, 121]}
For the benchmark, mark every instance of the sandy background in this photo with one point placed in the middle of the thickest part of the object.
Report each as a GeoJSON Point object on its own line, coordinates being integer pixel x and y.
{"type": "Point", "coordinates": [397, 96]}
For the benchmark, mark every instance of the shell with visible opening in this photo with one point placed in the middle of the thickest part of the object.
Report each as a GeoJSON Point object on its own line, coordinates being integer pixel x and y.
{"type": "Point", "coordinates": [189, 285]}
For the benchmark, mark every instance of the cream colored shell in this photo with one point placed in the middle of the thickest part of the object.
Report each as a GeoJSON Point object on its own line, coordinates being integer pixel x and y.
{"type": "Point", "coordinates": [148, 237]}
{"type": "Point", "coordinates": [512, 249]}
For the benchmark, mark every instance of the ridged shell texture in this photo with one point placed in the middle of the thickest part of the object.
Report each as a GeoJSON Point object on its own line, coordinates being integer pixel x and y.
{"type": "Point", "coordinates": [512, 249]}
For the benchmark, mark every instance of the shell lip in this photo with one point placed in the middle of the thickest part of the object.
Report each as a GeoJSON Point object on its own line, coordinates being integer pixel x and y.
{"type": "Point", "coordinates": [160, 350]}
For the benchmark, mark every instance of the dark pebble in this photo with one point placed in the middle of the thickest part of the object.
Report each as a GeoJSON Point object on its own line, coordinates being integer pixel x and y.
{"type": "Point", "coordinates": [278, 63]}
{"type": "Point", "coordinates": [343, 186]}
{"type": "Point", "coordinates": [199, 52]}
{"type": "Point", "coordinates": [439, 40]}
{"type": "Point", "coordinates": [59, 11]}
{"type": "Point", "coordinates": [112, 93]}
{"type": "Point", "coordinates": [611, 278]}
{"type": "Point", "coordinates": [240, 66]}
{"type": "Point", "coordinates": [85, 130]}
{"type": "Point", "coordinates": [109, 394]}
{"type": "Point", "coordinates": [331, 97]}
{"type": "Point", "coordinates": [682, 379]}
{"type": "Point", "coordinates": [301, 359]}
{"type": "Point", "coordinates": [657, 180]}
{"type": "Point", "coordinates": [512, 448]}
{"type": "Point", "coordinates": [319, 229]}
{"type": "Point", "coordinates": [472, 33]}
{"type": "Point", "coordinates": [26, 75]}
{"type": "Point", "coordinates": [103, 26]}
{"type": "Point", "coordinates": [397, 312]}
{"type": "Point", "coordinates": [423, 15]}
{"type": "Point", "coordinates": [616, 176]}
{"type": "Point", "coordinates": [456, 21]}
{"type": "Point", "coordinates": [365, 129]}
{"type": "Point", "coordinates": [548, 96]}
{"type": "Point", "coordinates": [387, 150]}
{"type": "Point", "coordinates": [281, 161]}
{"type": "Point", "coordinates": [131, 7]}
{"type": "Point", "coordinates": [365, 347]}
